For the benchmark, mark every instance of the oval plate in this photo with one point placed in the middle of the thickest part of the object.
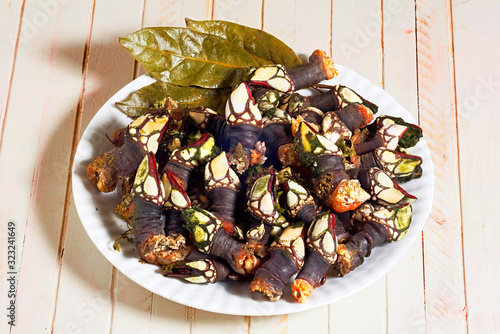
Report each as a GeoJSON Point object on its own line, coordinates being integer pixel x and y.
{"type": "Point", "coordinates": [96, 211]}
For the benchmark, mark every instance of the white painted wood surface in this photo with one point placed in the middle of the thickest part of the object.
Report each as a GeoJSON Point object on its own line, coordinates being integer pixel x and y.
{"type": "Point", "coordinates": [60, 61]}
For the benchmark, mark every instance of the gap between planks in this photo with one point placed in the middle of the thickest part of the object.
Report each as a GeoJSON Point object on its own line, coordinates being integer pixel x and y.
{"type": "Point", "coordinates": [418, 120]}
{"type": "Point", "coordinates": [453, 94]}
{"type": "Point", "coordinates": [74, 145]}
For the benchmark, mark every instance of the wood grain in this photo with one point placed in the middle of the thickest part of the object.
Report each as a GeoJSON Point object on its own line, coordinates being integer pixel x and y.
{"type": "Point", "coordinates": [10, 20]}
{"type": "Point", "coordinates": [477, 87]}
{"type": "Point", "coordinates": [105, 70]}
{"type": "Point", "coordinates": [405, 281]}
{"type": "Point", "coordinates": [42, 152]}
{"type": "Point", "coordinates": [356, 43]}
{"type": "Point", "coordinates": [445, 308]}
{"type": "Point", "coordinates": [11, 16]}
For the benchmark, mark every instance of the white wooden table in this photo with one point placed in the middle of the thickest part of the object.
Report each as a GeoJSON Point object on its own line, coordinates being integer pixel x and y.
{"type": "Point", "coordinates": [60, 60]}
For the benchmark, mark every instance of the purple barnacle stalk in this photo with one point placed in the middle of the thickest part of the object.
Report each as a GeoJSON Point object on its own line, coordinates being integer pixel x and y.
{"type": "Point", "coordinates": [382, 189]}
{"type": "Point", "coordinates": [210, 238]}
{"type": "Point", "coordinates": [223, 187]}
{"type": "Point", "coordinates": [376, 224]}
{"type": "Point", "coordinates": [387, 136]}
{"type": "Point", "coordinates": [319, 68]}
{"type": "Point", "coordinates": [148, 196]}
{"type": "Point", "coordinates": [143, 135]}
{"type": "Point", "coordinates": [287, 257]}
{"type": "Point", "coordinates": [332, 185]}
{"type": "Point", "coordinates": [321, 253]}
{"type": "Point", "coordinates": [355, 116]}
{"type": "Point", "coordinates": [201, 271]}
{"type": "Point", "coordinates": [399, 166]}
{"type": "Point", "coordinates": [276, 134]}
{"type": "Point", "coordinates": [335, 98]}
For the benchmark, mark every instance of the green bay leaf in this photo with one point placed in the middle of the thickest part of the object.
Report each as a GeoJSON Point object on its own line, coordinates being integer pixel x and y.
{"type": "Point", "coordinates": [263, 47]}
{"type": "Point", "coordinates": [184, 57]}
{"type": "Point", "coordinates": [139, 102]}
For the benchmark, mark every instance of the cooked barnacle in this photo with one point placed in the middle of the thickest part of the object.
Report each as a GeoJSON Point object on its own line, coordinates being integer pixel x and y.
{"type": "Point", "coordinates": [261, 206]}
{"type": "Point", "coordinates": [313, 116]}
{"type": "Point", "coordinates": [244, 127]}
{"type": "Point", "coordinates": [301, 206]}
{"type": "Point", "coordinates": [410, 138]}
{"type": "Point", "coordinates": [335, 98]}
{"type": "Point", "coordinates": [148, 193]}
{"type": "Point", "coordinates": [377, 225]}
{"type": "Point", "coordinates": [200, 271]}
{"type": "Point", "coordinates": [396, 164]}
{"type": "Point", "coordinates": [267, 100]}
{"type": "Point", "coordinates": [300, 203]}
{"type": "Point", "coordinates": [319, 68]}
{"type": "Point", "coordinates": [333, 128]}
{"type": "Point", "coordinates": [321, 253]}
{"type": "Point", "coordinates": [355, 116]}
{"type": "Point", "coordinates": [223, 186]}
{"type": "Point", "coordinates": [333, 186]}
{"type": "Point", "coordinates": [176, 200]}
{"type": "Point", "coordinates": [209, 121]}
{"type": "Point", "coordinates": [387, 136]}
{"type": "Point", "coordinates": [210, 238]}
{"type": "Point", "coordinates": [142, 136]}
{"type": "Point", "coordinates": [287, 257]}
{"type": "Point", "coordinates": [194, 156]}
{"type": "Point", "coordinates": [382, 189]}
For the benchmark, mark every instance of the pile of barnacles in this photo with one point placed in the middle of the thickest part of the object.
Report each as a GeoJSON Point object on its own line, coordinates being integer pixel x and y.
{"type": "Point", "coordinates": [283, 184]}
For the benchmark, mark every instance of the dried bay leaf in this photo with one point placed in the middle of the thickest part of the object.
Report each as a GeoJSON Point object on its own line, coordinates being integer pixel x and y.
{"type": "Point", "coordinates": [140, 101]}
{"type": "Point", "coordinates": [262, 46]}
{"type": "Point", "coordinates": [183, 57]}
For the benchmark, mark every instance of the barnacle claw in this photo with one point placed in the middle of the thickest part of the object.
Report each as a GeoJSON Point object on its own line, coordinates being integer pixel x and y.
{"type": "Point", "coordinates": [287, 257]}
{"type": "Point", "coordinates": [196, 154]}
{"type": "Point", "coordinates": [199, 271]}
{"type": "Point", "coordinates": [143, 135]}
{"type": "Point", "coordinates": [319, 68]}
{"type": "Point", "coordinates": [210, 238]}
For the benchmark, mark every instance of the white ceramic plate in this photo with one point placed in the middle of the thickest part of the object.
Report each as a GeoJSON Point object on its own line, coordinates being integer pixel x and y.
{"type": "Point", "coordinates": [103, 226]}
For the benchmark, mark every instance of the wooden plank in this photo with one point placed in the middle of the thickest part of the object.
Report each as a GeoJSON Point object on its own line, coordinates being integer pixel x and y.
{"type": "Point", "coordinates": [356, 37]}
{"type": "Point", "coordinates": [477, 87]}
{"type": "Point", "coordinates": [10, 20]}
{"type": "Point", "coordinates": [356, 43]}
{"type": "Point", "coordinates": [46, 108]}
{"type": "Point", "coordinates": [109, 68]}
{"type": "Point", "coordinates": [11, 14]}
{"type": "Point", "coordinates": [405, 288]}
{"type": "Point", "coordinates": [309, 37]}
{"type": "Point", "coordinates": [248, 13]}
{"type": "Point", "coordinates": [444, 284]}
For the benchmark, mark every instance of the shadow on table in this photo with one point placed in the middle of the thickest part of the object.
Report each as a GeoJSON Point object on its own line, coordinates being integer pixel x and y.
{"type": "Point", "coordinates": [110, 67]}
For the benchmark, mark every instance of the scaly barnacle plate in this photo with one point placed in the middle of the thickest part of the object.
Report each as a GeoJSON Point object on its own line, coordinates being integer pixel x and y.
{"type": "Point", "coordinates": [103, 226]}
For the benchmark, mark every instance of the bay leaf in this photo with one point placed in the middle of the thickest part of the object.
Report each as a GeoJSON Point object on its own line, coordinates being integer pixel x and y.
{"type": "Point", "coordinates": [184, 57]}
{"type": "Point", "coordinates": [140, 101]}
{"type": "Point", "coordinates": [262, 46]}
